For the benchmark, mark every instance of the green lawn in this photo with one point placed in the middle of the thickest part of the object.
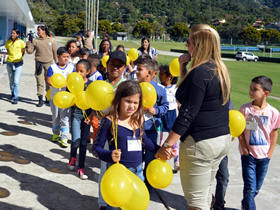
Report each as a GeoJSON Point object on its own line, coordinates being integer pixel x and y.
{"type": "Point", "coordinates": [241, 75]}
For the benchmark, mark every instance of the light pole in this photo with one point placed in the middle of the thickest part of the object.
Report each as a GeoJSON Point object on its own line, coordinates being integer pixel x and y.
{"type": "Point", "coordinates": [92, 12]}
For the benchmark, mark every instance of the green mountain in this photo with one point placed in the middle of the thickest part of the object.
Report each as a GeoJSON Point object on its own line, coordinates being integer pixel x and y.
{"type": "Point", "coordinates": [164, 12]}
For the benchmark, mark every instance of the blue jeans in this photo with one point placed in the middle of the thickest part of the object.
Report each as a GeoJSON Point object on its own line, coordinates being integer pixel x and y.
{"type": "Point", "coordinates": [222, 183]}
{"type": "Point", "coordinates": [80, 132]}
{"type": "Point", "coordinates": [253, 173]}
{"type": "Point", "coordinates": [138, 172]}
{"type": "Point", "coordinates": [14, 72]}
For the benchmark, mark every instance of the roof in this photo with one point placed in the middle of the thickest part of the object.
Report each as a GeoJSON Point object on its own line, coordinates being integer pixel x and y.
{"type": "Point", "coordinates": [19, 10]}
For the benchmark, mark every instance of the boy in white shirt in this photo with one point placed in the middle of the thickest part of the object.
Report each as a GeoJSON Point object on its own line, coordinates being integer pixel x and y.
{"type": "Point", "coordinates": [60, 117]}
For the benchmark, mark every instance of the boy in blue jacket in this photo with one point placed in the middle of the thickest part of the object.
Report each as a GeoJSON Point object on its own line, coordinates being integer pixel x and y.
{"type": "Point", "coordinates": [147, 70]}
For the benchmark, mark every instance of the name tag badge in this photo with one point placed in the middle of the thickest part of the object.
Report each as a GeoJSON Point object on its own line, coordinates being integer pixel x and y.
{"type": "Point", "coordinates": [251, 125]}
{"type": "Point", "coordinates": [133, 144]}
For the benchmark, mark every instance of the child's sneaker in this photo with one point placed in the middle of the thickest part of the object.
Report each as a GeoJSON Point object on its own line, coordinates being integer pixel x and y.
{"type": "Point", "coordinates": [64, 142]}
{"type": "Point", "coordinates": [82, 174]}
{"type": "Point", "coordinates": [55, 138]}
{"type": "Point", "coordinates": [72, 163]}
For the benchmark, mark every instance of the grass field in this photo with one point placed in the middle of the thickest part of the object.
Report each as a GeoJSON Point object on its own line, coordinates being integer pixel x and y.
{"type": "Point", "coordinates": [241, 75]}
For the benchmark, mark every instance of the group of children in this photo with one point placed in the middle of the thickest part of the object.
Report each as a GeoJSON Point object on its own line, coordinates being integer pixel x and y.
{"type": "Point", "coordinates": [138, 131]}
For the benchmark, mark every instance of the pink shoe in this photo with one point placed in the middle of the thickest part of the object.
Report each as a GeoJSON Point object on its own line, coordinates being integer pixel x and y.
{"type": "Point", "coordinates": [82, 174]}
{"type": "Point", "coordinates": [72, 163]}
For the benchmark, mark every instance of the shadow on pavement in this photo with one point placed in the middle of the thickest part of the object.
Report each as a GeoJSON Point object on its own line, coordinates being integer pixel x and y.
{"type": "Point", "coordinates": [90, 162]}
{"type": "Point", "coordinates": [8, 206]}
{"type": "Point", "coordinates": [170, 199]}
{"type": "Point", "coordinates": [25, 131]}
{"type": "Point", "coordinates": [6, 97]}
{"type": "Point", "coordinates": [34, 117]}
{"type": "Point", "coordinates": [50, 194]}
{"type": "Point", "coordinates": [44, 161]}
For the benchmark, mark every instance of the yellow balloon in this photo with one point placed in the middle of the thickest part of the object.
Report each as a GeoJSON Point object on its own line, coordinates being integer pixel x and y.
{"type": "Point", "coordinates": [132, 54]}
{"type": "Point", "coordinates": [100, 95]}
{"type": "Point", "coordinates": [82, 101]}
{"type": "Point", "coordinates": [48, 94]}
{"type": "Point", "coordinates": [127, 60]}
{"type": "Point", "coordinates": [116, 187]}
{"type": "Point", "coordinates": [174, 67]}
{"type": "Point", "coordinates": [159, 173]}
{"type": "Point", "coordinates": [140, 198]}
{"type": "Point", "coordinates": [58, 80]}
{"type": "Point", "coordinates": [64, 99]}
{"type": "Point", "coordinates": [104, 60]}
{"type": "Point", "coordinates": [149, 94]}
{"type": "Point", "coordinates": [237, 123]}
{"type": "Point", "coordinates": [75, 83]}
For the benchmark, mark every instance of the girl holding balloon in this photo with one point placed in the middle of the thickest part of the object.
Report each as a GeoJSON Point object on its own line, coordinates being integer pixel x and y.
{"type": "Point", "coordinates": [80, 125]}
{"type": "Point", "coordinates": [60, 117]}
{"type": "Point", "coordinates": [123, 129]}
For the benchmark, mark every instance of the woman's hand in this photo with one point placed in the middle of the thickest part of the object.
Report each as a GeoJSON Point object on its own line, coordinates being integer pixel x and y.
{"type": "Point", "coordinates": [164, 153]}
{"type": "Point", "coordinates": [185, 58]}
{"type": "Point", "coordinates": [116, 155]}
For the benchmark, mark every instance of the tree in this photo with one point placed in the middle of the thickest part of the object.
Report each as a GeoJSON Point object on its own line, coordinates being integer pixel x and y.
{"type": "Point", "coordinates": [142, 28]}
{"type": "Point", "coordinates": [118, 27]}
{"type": "Point", "coordinates": [179, 31]}
{"type": "Point", "coordinates": [104, 27]}
{"type": "Point", "coordinates": [158, 29]}
{"type": "Point", "coordinates": [250, 35]}
{"type": "Point", "coordinates": [270, 35]}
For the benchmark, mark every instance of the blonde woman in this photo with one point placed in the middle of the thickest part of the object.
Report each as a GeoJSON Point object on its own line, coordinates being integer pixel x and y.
{"type": "Point", "coordinates": [202, 123]}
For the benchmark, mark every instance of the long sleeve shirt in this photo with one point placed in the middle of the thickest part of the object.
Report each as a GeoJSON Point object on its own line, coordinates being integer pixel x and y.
{"type": "Point", "coordinates": [201, 114]}
{"type": "Point", "coordinates": [45, 49]}
{"type": "Point", "coordinates": [161, 107]}
{"type": "Point", "coordinates": [128, 158]}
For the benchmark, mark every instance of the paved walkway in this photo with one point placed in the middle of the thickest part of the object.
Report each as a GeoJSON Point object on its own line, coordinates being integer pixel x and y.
{"type": "Point", "coordinates": [37, 176]}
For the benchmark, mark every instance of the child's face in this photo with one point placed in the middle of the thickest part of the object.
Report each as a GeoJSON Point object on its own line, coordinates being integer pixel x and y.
{"type": "Point", "coordinates": [63, 59]}
{"type": "Point", "coordinates": [73, 48]}
{"type": "Point", "coordinates": [164, 79]}
{"type": "Point", "coordinates": [257, 92]}
{"type": "Point", "coordinates": [82, 70]}
{"type": "Point", "coordinates": [143, 74]}
{"type": "Point", "coordinates": [115, 68]}
{"type": "Point", "coordinates": [129, 105]}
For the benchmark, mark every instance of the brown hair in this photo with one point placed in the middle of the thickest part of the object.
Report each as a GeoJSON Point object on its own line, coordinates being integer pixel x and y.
{"type": "Point", "coordinates": [128, 88]}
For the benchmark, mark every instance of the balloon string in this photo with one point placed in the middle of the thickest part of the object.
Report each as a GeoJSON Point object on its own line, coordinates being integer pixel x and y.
{"type": "Point", "coordinates": [84, 114]}
{"type": "Point", "coordinates": [154, 123]}
{"type": "Point", "coordinates": [100, 114]}
{"type": "Point", "coordinates": [115, 133]}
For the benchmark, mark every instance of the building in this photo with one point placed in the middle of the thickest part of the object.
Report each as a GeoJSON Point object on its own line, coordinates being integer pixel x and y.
{"type": "Point", "coordinates": [120, 36]}
{"type": "Point", "coordinates": [14, 14]}
{"type": "Point", "coordinates": [258, 24]}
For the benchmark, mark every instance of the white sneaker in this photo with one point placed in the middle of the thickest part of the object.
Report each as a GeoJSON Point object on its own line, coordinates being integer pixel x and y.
{"type": "Point", "coordinates": [82, 174]}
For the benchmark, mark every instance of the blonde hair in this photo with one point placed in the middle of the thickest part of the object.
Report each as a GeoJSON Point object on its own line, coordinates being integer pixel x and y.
{"type": "Point", "coordinates": [206, 41]}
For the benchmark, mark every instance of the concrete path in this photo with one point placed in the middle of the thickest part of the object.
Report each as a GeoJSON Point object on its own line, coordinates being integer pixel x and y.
{"type": "Point", "coordinates": [36, 174]}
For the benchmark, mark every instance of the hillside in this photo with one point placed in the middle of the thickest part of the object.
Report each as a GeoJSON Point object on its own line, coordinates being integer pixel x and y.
{"type": "Point", "coordinates": [165, 12]}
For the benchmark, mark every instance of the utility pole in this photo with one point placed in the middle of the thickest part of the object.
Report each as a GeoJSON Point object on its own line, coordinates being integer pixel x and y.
{"type": "Point", "coordinates": [86, 15]}
{"type": "Point", "coordinates": [96, 25]}
{"type": "Point", "coordinates": [92, 13]}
